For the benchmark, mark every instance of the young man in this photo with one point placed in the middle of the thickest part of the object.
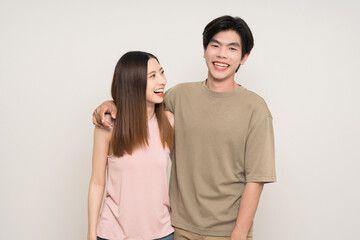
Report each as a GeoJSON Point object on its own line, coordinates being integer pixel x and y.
{"type": "Point", "coordinates": [224, 145]}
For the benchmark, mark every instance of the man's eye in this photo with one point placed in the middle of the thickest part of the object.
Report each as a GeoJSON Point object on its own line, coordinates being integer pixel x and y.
{"type": "Point", "coordinates": [214, 45]}
{"type": "Point", "coordinates": [233, 49]}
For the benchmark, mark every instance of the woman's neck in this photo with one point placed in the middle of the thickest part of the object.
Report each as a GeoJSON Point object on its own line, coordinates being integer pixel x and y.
{"type": "Point", "coordinates": [150, 110]}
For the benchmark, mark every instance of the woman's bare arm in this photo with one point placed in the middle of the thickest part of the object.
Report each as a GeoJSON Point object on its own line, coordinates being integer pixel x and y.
{"type": "Point", "coordinates": [102, 138]}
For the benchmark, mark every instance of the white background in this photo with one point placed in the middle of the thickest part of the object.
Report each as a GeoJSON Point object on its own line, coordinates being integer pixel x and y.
{"type": "Point", "coordinates": [56, 64]}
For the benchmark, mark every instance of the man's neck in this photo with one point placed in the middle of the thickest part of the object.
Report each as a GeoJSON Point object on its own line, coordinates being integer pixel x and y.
{"type": "Point", "coordinates": [221, 86]}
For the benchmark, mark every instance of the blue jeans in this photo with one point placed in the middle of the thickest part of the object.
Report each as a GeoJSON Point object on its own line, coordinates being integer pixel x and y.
{"type": "Point", "coordinates": [168, 237]}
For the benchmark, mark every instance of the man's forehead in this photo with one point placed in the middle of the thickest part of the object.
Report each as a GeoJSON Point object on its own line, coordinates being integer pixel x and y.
{"type": "Point", "coordinates": [226, 37]}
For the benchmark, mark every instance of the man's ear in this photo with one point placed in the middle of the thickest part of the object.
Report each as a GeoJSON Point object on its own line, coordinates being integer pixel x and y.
{"type": "Point", "coordinates": [204, 52]}
{"type": "Point", "coordinates": [243, 60]}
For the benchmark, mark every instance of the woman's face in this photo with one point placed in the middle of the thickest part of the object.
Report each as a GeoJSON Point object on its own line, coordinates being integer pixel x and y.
{"type": "Point", "coordinates": [156, 82]}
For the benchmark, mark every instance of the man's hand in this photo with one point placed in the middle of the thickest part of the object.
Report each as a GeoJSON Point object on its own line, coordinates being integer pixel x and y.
{"type": "Point", "coordinates": [236, 235]}
{"type": "Point", "coordinates": [99, 114]}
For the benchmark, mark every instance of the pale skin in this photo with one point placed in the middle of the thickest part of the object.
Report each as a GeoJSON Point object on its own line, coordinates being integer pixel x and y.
{"type": "Point", "coordinates": [102, 146]}
{"type": "Point", "coordinates": [101, 150]}
{"type": "Point", "coordinates": [222, 56]}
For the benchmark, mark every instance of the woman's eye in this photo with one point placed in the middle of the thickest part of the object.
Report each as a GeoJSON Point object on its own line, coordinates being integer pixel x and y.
{"type": "Point", "coordinates": [152, 76]}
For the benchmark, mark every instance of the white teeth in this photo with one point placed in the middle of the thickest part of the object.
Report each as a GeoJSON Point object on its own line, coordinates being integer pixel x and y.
{"type": "Point", "coordinates": [159, 91]}
{"type": "Point", "coordinates": [221, 65]}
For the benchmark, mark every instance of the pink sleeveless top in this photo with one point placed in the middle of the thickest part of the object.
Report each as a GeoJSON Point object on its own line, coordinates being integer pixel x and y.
{"type": "Point", "coordinates": [136, 206]}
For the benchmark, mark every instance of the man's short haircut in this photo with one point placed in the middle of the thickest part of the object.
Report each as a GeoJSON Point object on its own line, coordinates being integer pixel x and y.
{"type": "Point", "coordinates": [226, 23]}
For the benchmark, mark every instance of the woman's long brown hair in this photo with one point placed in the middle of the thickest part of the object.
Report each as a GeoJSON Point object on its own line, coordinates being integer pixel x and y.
{"type": "Point", "coordinates": [128, 91]}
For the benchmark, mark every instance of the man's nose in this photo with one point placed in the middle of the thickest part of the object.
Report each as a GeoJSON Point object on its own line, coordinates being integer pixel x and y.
{"type": "Point", "coordinates": [222, 52]}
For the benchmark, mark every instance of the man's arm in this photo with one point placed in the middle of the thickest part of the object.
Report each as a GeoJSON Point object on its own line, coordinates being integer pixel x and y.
{"type": "Point", "coordinates": [99, 114]}
{"type": "Point", "coordinates": [248, 205]}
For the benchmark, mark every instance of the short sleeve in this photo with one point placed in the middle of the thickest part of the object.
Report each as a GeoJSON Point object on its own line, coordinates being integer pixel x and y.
{"type": "Point", "coordinates": [260, 153]}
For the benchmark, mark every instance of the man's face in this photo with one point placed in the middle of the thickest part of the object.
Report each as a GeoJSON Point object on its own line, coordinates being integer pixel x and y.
{"type": "Point", "coordinates": [223, 56]}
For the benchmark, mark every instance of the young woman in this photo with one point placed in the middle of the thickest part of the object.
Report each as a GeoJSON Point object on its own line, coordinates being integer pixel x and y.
{"type": "Point", "coordinates": [134, 153]}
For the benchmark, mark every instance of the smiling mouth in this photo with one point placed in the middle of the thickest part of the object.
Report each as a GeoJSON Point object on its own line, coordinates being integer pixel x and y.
{"type": "Point", "coordinates": [221, 65]}
{"type": "Point", "coordinates": [159, 92]}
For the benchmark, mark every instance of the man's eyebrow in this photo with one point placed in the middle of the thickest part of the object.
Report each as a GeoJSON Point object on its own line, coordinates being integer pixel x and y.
{"type": "Point", "coordinates": [215, 41]}
{"type": "Point", "coordinates": [235, 44]}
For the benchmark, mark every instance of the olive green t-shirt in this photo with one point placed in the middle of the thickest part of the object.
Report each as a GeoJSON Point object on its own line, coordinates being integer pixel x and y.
{"type": "Point", "coordinates": [222, 141]}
